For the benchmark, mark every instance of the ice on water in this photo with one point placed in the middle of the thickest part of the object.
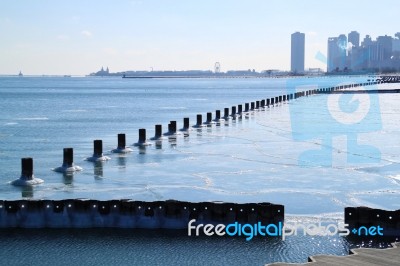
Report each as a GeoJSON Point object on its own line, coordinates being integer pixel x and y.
{"type": "Point", "coordinates": [254, 158]}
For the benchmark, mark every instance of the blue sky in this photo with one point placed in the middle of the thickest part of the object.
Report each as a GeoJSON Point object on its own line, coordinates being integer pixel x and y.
{"type": "Point", "coordinates": [78, 37]}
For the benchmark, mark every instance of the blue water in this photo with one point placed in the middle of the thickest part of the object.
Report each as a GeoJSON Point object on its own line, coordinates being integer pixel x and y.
{"type": "Point", "coordinates": [144, 247]}
{"type": "Point", "coordinates": [253, 159]}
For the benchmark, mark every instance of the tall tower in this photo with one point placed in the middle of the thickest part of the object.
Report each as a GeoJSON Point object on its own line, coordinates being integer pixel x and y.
{"type": "Point", "coordinates": [333, 53]}
{"type": "Point", "coordinates": [354, 38]}
{"type": "Point", "coordinates": [297, 53]}
{"type": "Point", "coordinates": [337, 53]}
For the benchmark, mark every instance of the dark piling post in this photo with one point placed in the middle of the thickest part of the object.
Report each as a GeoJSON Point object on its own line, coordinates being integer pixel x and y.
{"type": "Point", "coordinates": [240, 108]}
{"type": "Point", "coordinates": [268, 102]}
{"type": "Point", "coordinates": [252, 106]}
{"type": "Point", "coordinates": [226, 113]}
{"type": "Point", "coordinates": [173, 127]}
{"type": "Point", "coordinates": [158, 131]}
{"type": "Point", "coordinates": [97, 148]}
{"type": "Point", "coordinates": [276, 99]}
{"type": "Point", "coordinates": [284, 98]}
{"type": "Point", "coordinates": [186, 123]}
{"type": "Point", "coordinates": [68, 158]}
{"type": "Point", "coordinates": [217, 115]}
{"type": "Point", "coordinates": [262, 103]}
{"type": "Point", "coordinates": [272, 101]}
{"type": "Point", "coordinates": [280, 98]}
{"type": "Point", "coordinates": [246, 107]}
{"type": "Point", "coordinates": [199, 120]}
{"type": "Point", "coordinates": [27, 168]}
{"type": "Point", "coordinates": [209, 117]}
{"type": "Point", "coordinates": [121, 141]}
{"type": "Point", "coordinates": [257, 104]}
{"type": "Point", "coordinates": [233, 111]}
{"type": "Point", "coordinates": [142, 135]}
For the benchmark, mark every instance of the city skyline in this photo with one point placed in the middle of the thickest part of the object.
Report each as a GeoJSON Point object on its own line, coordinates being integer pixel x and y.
{"type": "Point", "coordinates": [347, 54]}
{"type": "Point", "coordinates": [44, 37]}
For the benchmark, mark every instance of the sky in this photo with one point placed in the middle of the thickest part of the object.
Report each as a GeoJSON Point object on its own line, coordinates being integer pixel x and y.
{"type": "Point", "coordinates": [60, 37]}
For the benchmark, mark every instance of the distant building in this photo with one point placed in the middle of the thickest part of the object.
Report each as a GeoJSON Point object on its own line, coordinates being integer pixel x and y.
{"type": "Point", "coordinates": [354, 38]}
{"type": "Point", "coordinates": [380, 55]}
{"type": "Point", "coordinates": [396, 43]}
{"type": "Point", "coordinates": [101, 72]}
{"type": "Point", "coordinates": [333, 53]}
{"type": "Point", "coordinates": [297, 52]}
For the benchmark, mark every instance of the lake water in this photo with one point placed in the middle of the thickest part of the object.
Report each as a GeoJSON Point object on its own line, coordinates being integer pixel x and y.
{"type": "Point", "coordinates": [289, 154]}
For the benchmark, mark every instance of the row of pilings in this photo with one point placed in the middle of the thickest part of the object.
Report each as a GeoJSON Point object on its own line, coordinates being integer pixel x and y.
{"type": "Point", "coordinates": [234, 112]}
{"type": "Point", "coordinates": [366, 220]}
{"type": "Point", "coordinates": [170, 214]}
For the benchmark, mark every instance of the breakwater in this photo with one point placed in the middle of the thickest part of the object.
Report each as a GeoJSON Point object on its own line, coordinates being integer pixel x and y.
{"type": "Point", "coordinates": [170, 214]}
{"type": "Point", "coordinates": [366, 217]}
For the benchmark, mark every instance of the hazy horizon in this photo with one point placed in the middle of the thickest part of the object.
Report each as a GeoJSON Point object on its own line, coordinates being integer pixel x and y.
{"type": "Point", "coordinates": [57, 38]}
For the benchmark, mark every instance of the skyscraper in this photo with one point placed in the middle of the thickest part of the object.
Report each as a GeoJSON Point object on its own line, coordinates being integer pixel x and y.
{"type": "Point", "coordinates": [354, 38]}
{"type": "Point", "coordinates": [297, 52]}
{"type": "Point", "coordinates": [337, 53]}
{"type": "Point", "coordinates": [396, 43]}
{"type": "Point", "coordinates": [333, 53]}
